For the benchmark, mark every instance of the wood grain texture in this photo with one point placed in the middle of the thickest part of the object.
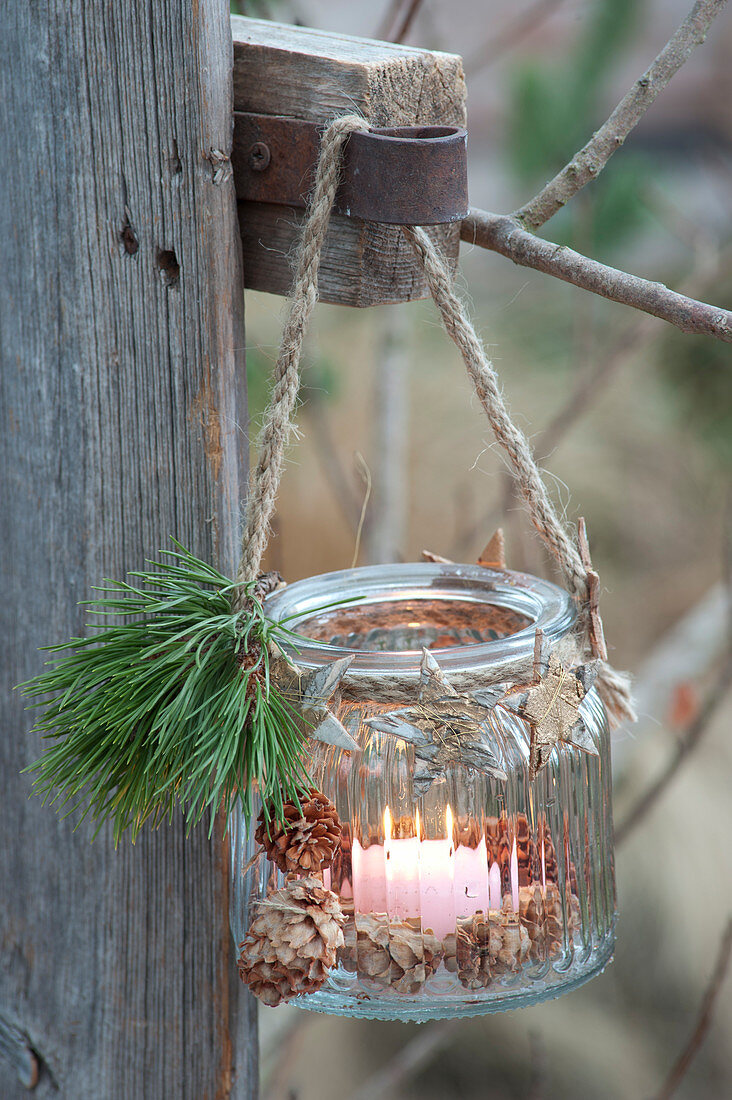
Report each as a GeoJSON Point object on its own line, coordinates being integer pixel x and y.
{"type": "Point", "coordinates": [123, 412]}
{"type": "Point", "coordinates": [302, 73]}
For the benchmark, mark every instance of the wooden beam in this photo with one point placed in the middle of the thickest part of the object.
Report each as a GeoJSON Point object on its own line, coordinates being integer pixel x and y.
{"type": "Point", "coordinates": [122, 421]}
{"type": "Point", "coordinates": [308, 74]}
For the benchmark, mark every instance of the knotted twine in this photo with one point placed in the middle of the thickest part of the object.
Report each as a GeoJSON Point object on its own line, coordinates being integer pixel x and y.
{"type": "Point", "coordinates": [613, 686]}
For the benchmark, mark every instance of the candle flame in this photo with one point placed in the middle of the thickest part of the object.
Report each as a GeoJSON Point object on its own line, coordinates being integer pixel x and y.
{"type": "Point", "coordinates": [416, 825]}
{"type": "Point", "coordinates": [387, 824]}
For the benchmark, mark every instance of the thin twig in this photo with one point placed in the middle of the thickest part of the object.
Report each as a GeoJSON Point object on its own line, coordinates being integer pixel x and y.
{"type": "Point", "coordinates": [709, 261]}
{"type": "Point", "coordinates": [387, 21]}
{"type": "Point", "coordinates": [592, 383]}
{"type": "Point", "coordinates": [509, 36]}
{"type": "Point", "coordinates": [587, 164]}
{"type": "Point", "coordinates": [413, 1056]}
{"type": "Point", "coordinates": [387, 527]}
{"type": "Point", "coordinates": [538, 1065]}
{"type": "Point", "coordinates": [363, 469]}
{"type": "Point", "coordinates": [504, 234]}
{"type": "Point", "coordinates": [404, 25]}
{"type": "Point", "coordinates": [695, 733]}
{"type": "Point", "coordinates": [704, 1019]}
{"type": "Point", "coordinates": [289, 1046]}
{"type": "Point", "coordinates": [331, 465]}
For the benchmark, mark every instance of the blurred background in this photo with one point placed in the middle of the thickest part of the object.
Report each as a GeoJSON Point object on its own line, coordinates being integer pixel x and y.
{"type": "Point", "coordinates": [633, 422]}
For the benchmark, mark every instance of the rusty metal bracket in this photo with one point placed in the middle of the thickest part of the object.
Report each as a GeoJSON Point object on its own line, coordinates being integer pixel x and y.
{"type": "Point", "coordinates": [407, 175]}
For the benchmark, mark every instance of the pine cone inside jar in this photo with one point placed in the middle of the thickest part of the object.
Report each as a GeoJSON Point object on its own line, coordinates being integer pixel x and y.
{"type": "Point", "coordinates": [500, 848]}
{"type": "Point", "coordinates": [487, 947]}
{"type": "Point", "coordinates": [544, 840]}
{"type": "Point", "coordinates": [542, 916]}
{"type": "Point", "coordinates": [395, 954]}
{"type": "Point", "coordinates": [342, 865]}
{"type": "Point", "coordinates": [292, 942]}
{"type": "Point", "coordinates": [305, 841]}
{"type": "Point", "coordinates": [528, 851]}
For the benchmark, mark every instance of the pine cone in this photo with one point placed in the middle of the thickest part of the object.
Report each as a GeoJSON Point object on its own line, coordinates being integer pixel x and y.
{"type": "Point", "coordinates": [292, 942]}
{"type": "Point", "coordinates": [488, 946]}
{"type": "Point", "coordinates": [392, 953]}
{"type": "Point", "coordinates": [342, 866]}
{"type": "Point", "coordinates": [468, 832]}
{"type": "Point", "coordinates": [528, 851]}
{"type": "Point", "coordinates": [500, 849]}
{"type": "Point", "coordinates": [308, 838]}
{"type": "Point", "coordinates": [543, 919]}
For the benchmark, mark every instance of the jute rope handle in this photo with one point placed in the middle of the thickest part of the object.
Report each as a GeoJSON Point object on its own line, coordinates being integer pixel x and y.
{"type": "Point", "coordinates": [614, 687]}
{"type": "Point", "coordinates": [278, 425]}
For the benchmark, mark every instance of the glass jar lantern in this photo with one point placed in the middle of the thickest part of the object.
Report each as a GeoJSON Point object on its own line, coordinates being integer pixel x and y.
{"type": "Point", "coordinates": [481, 894]}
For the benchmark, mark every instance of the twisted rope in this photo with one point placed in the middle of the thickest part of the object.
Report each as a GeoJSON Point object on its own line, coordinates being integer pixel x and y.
{"type": "Point", "coordinates": [512, 439]}
{"type": "Point", "coordinates": [614, 687]}
{"type": "Point", "coordinates": [278, 424]}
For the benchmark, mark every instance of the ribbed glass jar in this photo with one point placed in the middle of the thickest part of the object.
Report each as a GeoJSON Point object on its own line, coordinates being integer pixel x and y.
{"type": "Point", "coordinates": [483, 894]}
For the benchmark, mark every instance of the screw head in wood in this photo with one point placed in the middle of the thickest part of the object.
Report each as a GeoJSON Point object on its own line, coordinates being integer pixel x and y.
{"type": "Point", "coordinates": [259, 156]}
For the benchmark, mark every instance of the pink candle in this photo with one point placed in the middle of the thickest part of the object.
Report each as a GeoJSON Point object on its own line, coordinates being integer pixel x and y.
{"type": "Point", "coordinates": [494, 886]}
{"type": "Point", "coordinates": [514, 878]}
{"type": "Point", "coordinates": [402, 873]}
{"type": "Point", "coordinates": [437, 883]}
{"type": "Point", "coordinates": [369, 878]}
{"type": "Point", "coordinates": [471, 880]}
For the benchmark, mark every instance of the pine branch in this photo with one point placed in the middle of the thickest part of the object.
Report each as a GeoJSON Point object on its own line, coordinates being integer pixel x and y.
{"type": "Point", "coordinates": [503, 233]}
{"type": "Point", "coordinates": [170, 704]}
{"type": "Point", "coordinates": [587, 164]}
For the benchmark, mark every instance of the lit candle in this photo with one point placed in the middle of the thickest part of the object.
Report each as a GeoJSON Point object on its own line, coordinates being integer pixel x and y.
{"type": "Point", "coordinates": [514, 878]}
{"type": "Point", "coordinates": [471, 880]}
{"type": "Point", "coordinates": [402, 873]}
{"type": "Point", "coordinates": [369, 878]}
{"type": "Point", "coordinates": [494, 886]}
{"type": "Point", "coordinates": [437, 883]}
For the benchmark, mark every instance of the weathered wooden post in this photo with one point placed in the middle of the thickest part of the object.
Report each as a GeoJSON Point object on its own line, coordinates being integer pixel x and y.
{"type": "Point", "coordinates": [123, 412]}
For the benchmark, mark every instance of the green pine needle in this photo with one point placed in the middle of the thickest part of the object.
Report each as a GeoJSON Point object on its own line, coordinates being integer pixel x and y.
{"type": "Point", "coordinates": [157, 709]}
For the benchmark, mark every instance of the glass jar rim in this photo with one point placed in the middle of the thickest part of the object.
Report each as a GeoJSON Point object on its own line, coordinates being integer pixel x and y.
{"type": "Point", "coordinates": [546, 606]}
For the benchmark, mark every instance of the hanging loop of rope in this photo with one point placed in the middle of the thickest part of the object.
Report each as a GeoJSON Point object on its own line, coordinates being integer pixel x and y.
{"type": "Point", "coordinates": [278, 422]}
{"type": "Point", "coordinates": [614, 687]}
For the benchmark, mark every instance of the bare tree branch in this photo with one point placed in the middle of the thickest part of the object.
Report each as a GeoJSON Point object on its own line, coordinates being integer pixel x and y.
{"type": "Point", "coordinates": [639, 334]}
{"type": "Point", "coordinates": [538, 1063]}
{"type": "Point", "coordinates": [404, 25]}
{"type": "Point", "coordinates": [415, 1054]}
{"type": "Point", "coordinates": [704, 1018]}
{"type": "Point", "coordinates": [587, 164]}
{"type": "Point", "coordinates": [287, 1051]}
{"type": "Point", "coordinates": [504, 234]}
{"type": "Point", "coordinates": [507, 37]}
{"type": "Point", "coordinates": [592, 383]}
{"type": "Point", "coordinates": [387, 21]}
{"type": "Point", "coordinates": [651, 794]}
{"type": "Point", "coordinates": [386, 531]}
{"type": "Point", "coordinates": [329, 458]}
